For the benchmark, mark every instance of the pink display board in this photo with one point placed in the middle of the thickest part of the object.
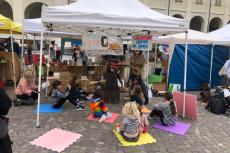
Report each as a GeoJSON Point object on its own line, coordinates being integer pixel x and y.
{"type": "Point", "coordinates": [190, 104]}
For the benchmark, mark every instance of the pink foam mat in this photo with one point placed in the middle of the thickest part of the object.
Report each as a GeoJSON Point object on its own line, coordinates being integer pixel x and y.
{"type": "Point", "coordinates": [56, 140]}
{"type": "Point", "coordinates": [190, 104]}
{"type": "Point", "coordinates": [110, 120]}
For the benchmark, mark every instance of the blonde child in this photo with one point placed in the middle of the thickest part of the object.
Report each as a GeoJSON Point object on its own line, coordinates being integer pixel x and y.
{"type": "Point", "coordinates": [26, 91]}
{"type": "Point", "coordinates": [131, 122]}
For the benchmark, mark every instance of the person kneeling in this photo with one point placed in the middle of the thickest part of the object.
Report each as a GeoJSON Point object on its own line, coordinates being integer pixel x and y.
{"type": "Point", "coordinates": [165, 112]}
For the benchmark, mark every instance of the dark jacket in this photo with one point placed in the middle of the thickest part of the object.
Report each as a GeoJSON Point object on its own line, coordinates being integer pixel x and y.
{"type": "Point", "coordinates": [111, 79]}
{"type": "Point", "coordinates": [16, 47]}
{"type": "Point", "coordinates": [5, 103]}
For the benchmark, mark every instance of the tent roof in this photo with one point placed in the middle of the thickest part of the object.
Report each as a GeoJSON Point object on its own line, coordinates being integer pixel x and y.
{"type": "Point", "coordinates": [194, 37]}
{"type": "Point", "coordinates": [9, 25]}
{"type": "Point", "coordinates": [107, 14]}
{"type": "Point", "coordinates": [222, 33]}
{"type": "Point", "coordinates": [34, 26]}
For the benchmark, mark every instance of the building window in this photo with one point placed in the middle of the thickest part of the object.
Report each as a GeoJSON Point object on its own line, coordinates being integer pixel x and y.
{"type": "Point", "coordinates": [218, 3]}
{"type": "Point", "coordinates": [179, 1]}
{"type": "Point", "coordinates": [199, 1]}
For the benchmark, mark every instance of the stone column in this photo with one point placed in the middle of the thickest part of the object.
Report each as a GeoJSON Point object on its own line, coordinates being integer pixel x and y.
{"type": "Point", "coordinates": [18, 11]}
{"type": "Point", "coordinates": [188, 12]}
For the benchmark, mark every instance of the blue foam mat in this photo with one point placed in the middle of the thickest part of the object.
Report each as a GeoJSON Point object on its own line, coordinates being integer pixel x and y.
{"type": "Point", "coordinates": [48, 108]}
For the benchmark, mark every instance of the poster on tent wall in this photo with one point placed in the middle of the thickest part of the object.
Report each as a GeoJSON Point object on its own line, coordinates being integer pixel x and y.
{"type": "Point", "coordinates": [95, 42]}
{"type": "Point", "coordinates": [143, 43]}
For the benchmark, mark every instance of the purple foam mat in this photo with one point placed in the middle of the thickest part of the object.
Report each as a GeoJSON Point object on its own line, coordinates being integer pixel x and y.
{"type": "Point", "coordinates": [179, 128]}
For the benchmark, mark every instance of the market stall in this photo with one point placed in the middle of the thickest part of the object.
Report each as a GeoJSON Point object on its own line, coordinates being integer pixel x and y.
{"type": "Point", "coordinates": [115, 17]}
{"type": "Point", "coordinates": [11, 28]}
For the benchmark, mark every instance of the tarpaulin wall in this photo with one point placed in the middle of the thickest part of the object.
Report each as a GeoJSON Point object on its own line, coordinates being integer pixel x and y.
{"type": "Point", "coordinates": [220, 56]}
{"type": "Point", "coordinates": [198, 69]}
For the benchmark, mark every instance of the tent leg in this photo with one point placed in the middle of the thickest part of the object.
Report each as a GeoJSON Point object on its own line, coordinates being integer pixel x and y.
{"type": "Point", "coordinates": [34, 43]}
{"type": "Point", "coordinates": [12, 50]}
{"type": "Point", "coordinates": [185, 71]}
{"type": "Point", "coordinates": [48, 67]}
{"type": "Point", "coordinates": [22, 52]}
{"type": "Point", "coordinates": [211, 65]}
{"type": "Point", "coordinates": [229, 58]}
{"type": "Point", "coordinates": [155, 57]}
{"type": "Point", "coordinates": [39, 82]}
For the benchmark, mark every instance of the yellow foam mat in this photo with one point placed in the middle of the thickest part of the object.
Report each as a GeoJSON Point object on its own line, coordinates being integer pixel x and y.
{"type": "Point", "coordinates": [145, 138]}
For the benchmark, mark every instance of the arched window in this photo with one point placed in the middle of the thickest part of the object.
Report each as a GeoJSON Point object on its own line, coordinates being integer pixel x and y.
{"type": "Point", "coordinates": [33, 10]}
{"type": "Point", "coordinates": [215, 24]}
{"type": "Point", "coordinates": [6, 10]}
{"type": "Point", "coordinates": [178, 16]}
{"type": "Point", "coordinates": [197, 23]}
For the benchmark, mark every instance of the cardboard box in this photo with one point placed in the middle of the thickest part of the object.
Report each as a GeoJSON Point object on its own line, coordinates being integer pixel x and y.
{"type": "Point", "coordinates": [160, 86]}
{"type": "Point", "coordinates": [65, 76]}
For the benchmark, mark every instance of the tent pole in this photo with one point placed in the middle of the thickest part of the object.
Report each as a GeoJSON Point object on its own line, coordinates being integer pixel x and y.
{"type": "Point", "coordinates": [229, 58]}
{"type": "Point", "coordinates": [155, 56]}
{"type": "Point", "coordinates": [34, 43]}
{"type": "Point", "coordinates": [147, 67]}
{"type": "Point", "coordinates": [12, 50]}
{"type": "Point", "coordinates": [211, 65]}
{"type": "Point", "coordinates": [48, 66]}
{"type": "Point", "coordinates": [185, 71]}
{"type": "Point", "coordinates": [39, 79]}
{"type": "Point", "coordinates": [22, 52]}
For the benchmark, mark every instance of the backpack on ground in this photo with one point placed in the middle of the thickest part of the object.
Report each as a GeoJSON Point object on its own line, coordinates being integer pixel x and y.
{"type": "Point", "coordinates": [217, 105]}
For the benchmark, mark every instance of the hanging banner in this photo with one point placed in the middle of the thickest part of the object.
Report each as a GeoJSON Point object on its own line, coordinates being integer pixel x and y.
{"type": "Point", "coordinates": [143, 43]}
{"type": "Point", "coordinates": [95, 42]}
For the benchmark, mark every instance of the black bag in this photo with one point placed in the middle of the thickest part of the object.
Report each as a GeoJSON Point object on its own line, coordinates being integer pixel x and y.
{"type": "Point", "coordinates": [3, 127]}
{"type": "Point", "coordinates": [216, 105]}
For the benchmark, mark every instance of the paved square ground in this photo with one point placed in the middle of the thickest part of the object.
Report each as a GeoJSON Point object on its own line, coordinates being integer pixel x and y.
{"type": "Point", "coordinates": [209, 134]}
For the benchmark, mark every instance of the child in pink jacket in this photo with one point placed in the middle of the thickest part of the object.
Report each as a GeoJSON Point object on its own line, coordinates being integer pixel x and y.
{"type": "Point", "coordinates": [26, 91]}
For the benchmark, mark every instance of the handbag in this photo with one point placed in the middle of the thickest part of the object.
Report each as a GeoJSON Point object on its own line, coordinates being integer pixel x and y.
{"type": "Point", "coordinates": [3, 127]}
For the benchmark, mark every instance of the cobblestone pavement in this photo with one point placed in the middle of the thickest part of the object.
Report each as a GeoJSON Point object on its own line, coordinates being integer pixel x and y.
{"type": "Point", "coordinates": [209, 134]}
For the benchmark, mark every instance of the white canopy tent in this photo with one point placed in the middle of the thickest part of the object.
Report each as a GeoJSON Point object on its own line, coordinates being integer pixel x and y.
{"type": "Point", "coordinates": [112, 16]}
{"type": "Point", "coordinates": [116, 14]}
{"type": "Point", "coordinates": [35, 27]}
{"type": "Point", "coordinates": [223, 35]}
{"type": "Point", "coordinates": [194, 37]}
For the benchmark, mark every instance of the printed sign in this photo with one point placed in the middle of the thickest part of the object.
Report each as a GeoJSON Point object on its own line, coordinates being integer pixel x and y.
{"type": "Point", "coordinates": [96, 42]}
{"type": "Point", "coordinates": [142, 43]}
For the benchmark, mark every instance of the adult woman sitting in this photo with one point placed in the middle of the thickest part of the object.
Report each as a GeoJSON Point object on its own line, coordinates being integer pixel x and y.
{"type": "Point", "coordinates": [26, 91]}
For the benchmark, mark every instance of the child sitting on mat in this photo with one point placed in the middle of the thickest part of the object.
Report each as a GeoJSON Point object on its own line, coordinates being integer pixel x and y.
{"type": "Point", "coordinates": [144, 123]}
{"type": "Point", "coordinates": [98, 108]}
{"type": "Point", "coordinates": [59, 96]}
{"type": "Point", "coordinates": [131, 122]}
{"type": "Point", "coordinates": [75, 92]}
{"type": "Point", "coordinates": [166, 112]}
{"type": "Point", "coordinates": [137, 95]}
